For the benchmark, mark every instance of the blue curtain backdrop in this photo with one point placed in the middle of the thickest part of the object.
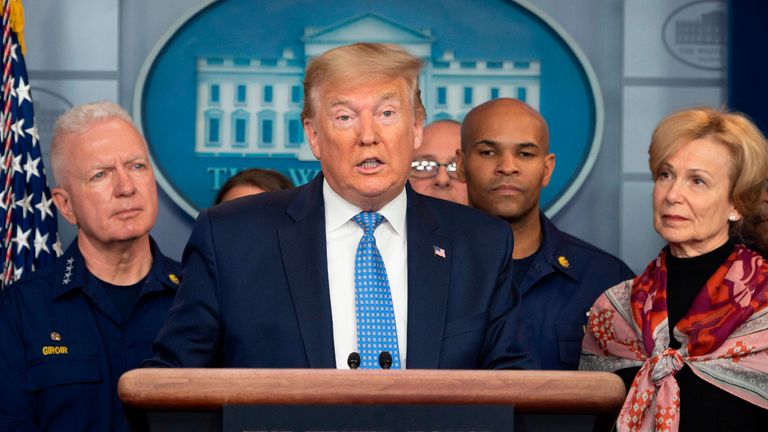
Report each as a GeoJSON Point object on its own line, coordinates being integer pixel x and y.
{"type": "Point", "coordinates": [747, 59]}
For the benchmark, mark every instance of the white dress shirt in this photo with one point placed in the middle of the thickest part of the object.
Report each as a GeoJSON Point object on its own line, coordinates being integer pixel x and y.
{"type": "Point", "coordinates": [342, 237]}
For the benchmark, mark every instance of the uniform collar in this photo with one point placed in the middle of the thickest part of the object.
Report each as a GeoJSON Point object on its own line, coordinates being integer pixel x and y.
{"type": "Point", "coordinates": [554, 256]}
{"type": "Point", "coordinates": [71, 272]}
{"type": "Point", "coordinates": [555, 250]}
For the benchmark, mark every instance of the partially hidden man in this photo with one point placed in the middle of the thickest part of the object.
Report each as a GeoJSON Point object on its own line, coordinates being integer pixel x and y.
{"type": "Point", "coordinates": [355, 260]}
{"type": "Point", "coordinates": [71, 329]}
{"type": "Point", "coordinates": [506, 162]}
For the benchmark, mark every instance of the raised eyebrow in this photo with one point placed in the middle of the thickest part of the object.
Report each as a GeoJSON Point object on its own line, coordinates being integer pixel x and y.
{"type": "Point", "coordinates": [102, 167]}
{"type": "Point", "coordinates": [386, 97]}
{"type": "Point", "coordinates": [699, 171]}
{"type": "Point", "coordinates": [340, 103]}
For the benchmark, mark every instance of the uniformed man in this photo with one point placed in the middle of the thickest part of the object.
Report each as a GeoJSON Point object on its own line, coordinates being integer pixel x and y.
{"type": "Point", "coordinates": [70, 330]}
{"type": "Point", "coordinates": [505, 161]}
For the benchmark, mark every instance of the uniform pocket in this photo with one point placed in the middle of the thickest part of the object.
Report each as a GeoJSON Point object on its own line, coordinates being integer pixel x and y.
{"type": "Point", "coordinates": [56, 371]}
{"type": "Point", "coordinates": [569, 337]}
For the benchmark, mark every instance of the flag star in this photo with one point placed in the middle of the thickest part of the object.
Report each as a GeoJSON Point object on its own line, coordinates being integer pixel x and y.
{"type": "Point", "coordinates": [33, 133]}
{"type": "Point", "coordinates": [13, 52]}
{"type": "Point", "coordinates": [17, 164]}
{"type": "Point", "coordinates": [17, 272]}
{"type": "Point", "coordinates": [2, 201]}
{"type": "Point", "coordinates": [18, 129]}
{"type": "Point", "coordinates": [22, 91]}
{"type": "Point", "coordinates": [13, 87]}
{"type": "Point", "coordinates": [40, 242]}
{"type": "Point", "coordinates": [57, 248]}
{"type": "Point", "coordinates": [30, 166]}
{"type": "Point", "coordinates": [25, 204]}
{"type": "Point", "coordinates": [21, 239]}
{"type": "Point", "coordinates": [44, 206]}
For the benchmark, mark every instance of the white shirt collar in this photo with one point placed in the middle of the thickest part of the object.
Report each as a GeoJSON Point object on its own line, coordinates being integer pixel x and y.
{"type": "Point", "coordinates": [339, 211]}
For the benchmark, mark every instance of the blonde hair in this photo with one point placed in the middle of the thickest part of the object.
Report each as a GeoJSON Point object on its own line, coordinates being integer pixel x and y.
{"type": "Point", "coordinates": [353, 62]}
{"type": "Point", "coordinates": [77, 120]}
{"type": "Point", "coordinates": [747, 146]}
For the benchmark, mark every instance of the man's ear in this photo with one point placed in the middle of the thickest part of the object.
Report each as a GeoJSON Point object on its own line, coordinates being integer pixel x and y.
{"type": "Point", "coordinates": [549, 168]}
{"type": "Point", "coordinates": [311, 133]}
{"type": "Point", "coordinates": [63, 204]}
{"type": "Point", "coordinates": [460, 173]}
{"type": "Point", "coordinates": [418, 132]}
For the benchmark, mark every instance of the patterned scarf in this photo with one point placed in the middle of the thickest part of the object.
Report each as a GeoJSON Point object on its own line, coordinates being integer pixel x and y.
{"type": "Point", "coordinates": [724, 338]}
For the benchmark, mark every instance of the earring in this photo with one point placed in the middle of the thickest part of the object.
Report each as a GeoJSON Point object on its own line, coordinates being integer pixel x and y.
{"type": "Point", "coordinates": [732, 217]}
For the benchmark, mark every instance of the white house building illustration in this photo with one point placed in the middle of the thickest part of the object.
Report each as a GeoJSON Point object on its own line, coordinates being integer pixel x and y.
{"type": "Point", "coordinates": [251, 107]}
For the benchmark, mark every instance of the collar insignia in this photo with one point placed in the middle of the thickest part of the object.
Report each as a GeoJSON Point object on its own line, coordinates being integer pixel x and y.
{"type": "Point", "coordinates": [68, 271]}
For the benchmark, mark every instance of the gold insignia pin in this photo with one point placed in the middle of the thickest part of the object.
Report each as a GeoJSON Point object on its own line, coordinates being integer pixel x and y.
{"type": "Point", "coordinates": [173, 278]}
{"type": "Point", "coordinates": [55, 336]}
{"type": "Point", "coordinates": [563, 261]}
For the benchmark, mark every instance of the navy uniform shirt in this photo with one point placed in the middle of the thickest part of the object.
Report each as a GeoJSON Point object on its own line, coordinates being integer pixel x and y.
{"type": "Point", "coordinates": [65, 345]}
{"type": "Point", "coordinates": [560, 286]}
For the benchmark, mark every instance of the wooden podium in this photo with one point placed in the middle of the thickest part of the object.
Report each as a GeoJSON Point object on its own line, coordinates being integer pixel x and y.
{"type": "Point", "coordinates": [197, 396]}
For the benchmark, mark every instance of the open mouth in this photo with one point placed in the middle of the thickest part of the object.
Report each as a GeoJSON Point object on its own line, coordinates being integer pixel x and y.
{"type": "Point", "coordinates": [370, 163]}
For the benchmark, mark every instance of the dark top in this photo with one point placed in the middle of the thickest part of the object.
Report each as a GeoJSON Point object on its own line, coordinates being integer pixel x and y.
{"type": "Point", "coordinates": [65, 345]}
{"type": "Point", "coordinates": [565, 278]}
{"type": "Point", "coordinates": [269, 306]}
{"type": "Point", "coordinates": [520, 267]}
{"type": "Point", "coordinates": [703, 407]}
{"type": "Point", "coordinates": [123, 296]}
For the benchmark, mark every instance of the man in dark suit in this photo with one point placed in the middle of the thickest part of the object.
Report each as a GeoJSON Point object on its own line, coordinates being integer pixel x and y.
{"type": "Point", "coordinates": [280, 279]}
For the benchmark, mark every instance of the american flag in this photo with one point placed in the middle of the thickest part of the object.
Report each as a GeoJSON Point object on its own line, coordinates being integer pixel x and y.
{"type": "Point", "coordinates": [28, 237]}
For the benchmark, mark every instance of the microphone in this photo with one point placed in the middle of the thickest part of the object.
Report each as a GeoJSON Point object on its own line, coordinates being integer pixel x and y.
{"type": "Point", "coordinates": [385, 360]}
{"type": "Point", "coordinates": [353, 361]}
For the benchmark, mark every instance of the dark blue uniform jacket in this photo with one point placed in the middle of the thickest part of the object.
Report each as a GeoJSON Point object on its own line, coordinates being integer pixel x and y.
{"type": "Point", "coordinates": [65, 345]}
{"type": "Point", "coordinates": [561, 285]}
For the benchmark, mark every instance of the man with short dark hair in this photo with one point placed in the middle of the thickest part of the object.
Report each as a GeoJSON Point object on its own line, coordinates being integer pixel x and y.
{"type": "Point", "coordinates": [354, 261]}
{"type": "Point", "coordinates": [71, 329]}
{"type": "Point", "coordinates": [505, 161]}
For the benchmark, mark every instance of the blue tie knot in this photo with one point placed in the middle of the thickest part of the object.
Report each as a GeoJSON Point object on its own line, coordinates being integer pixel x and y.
{"type": "Point", "coordinates": [369, 221]}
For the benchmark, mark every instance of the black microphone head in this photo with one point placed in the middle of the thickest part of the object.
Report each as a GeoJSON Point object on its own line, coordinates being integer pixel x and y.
{"type": "Point", "coordinates": [353, 361]}
{"type": "Point", "coordinates": [385, 360]}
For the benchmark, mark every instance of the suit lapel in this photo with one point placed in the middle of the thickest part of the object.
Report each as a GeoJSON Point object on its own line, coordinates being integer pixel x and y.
{"type": "Point", "coordinates": [429, 265]}
{"type": "Point", "coordinates": [303, 249]}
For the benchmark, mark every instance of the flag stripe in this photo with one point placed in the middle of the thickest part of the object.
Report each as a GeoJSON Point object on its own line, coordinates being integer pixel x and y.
{"type": "Point", "coordinates": [29, 232]}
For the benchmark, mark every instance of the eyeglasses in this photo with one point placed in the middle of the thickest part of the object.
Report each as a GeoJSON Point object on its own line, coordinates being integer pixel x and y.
{"type": "Point", "coordinates": [425, 169]}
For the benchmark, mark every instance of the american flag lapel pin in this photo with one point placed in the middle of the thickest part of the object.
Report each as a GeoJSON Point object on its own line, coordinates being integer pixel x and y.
{"type": "Point", "coordinates": [439, 251]}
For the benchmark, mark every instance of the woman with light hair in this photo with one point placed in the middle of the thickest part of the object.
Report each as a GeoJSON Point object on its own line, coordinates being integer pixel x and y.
{"type": "Point", "coordinates": [689, 336]}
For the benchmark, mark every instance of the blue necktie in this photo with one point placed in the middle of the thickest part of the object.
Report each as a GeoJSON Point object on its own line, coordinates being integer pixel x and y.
{"type": "Point", "coordinates": [376, 328]}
